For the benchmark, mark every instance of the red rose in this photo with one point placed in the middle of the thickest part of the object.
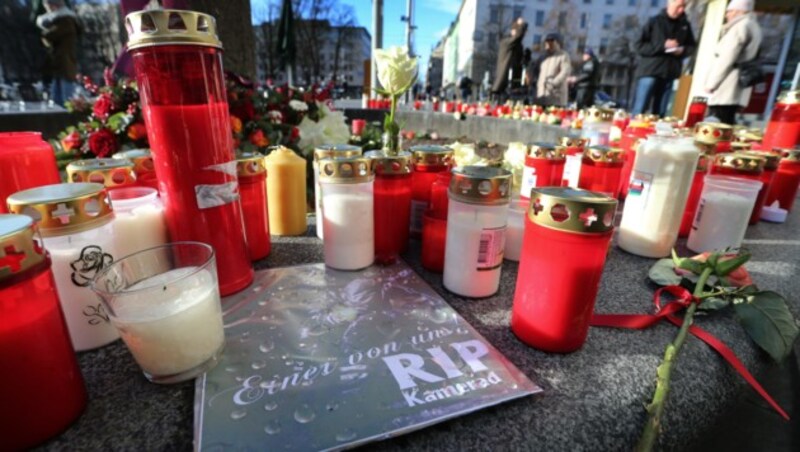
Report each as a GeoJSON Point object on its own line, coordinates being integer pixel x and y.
{"type": "Point", "coordinates": [71, 142]}
{"type": "Point", "coordinates": [259, 139]}
{"type": "Point", "coordinates": [103, 143]}
{"type": "Point", "coordinates": [103, 106]}
{"type": "Point", "coordinates": [295, 134]}
{"type": "Point", "coordinates": [137, 131]}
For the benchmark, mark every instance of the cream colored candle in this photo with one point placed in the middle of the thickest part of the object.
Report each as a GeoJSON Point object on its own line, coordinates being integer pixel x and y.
{"type": "Point", "coordinates": [286, 192]}
{"type": "Point", "coordinates": [139, 221]}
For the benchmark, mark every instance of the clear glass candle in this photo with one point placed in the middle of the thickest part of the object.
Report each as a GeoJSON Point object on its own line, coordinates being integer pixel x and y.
{"type": "Point", "coordinates": [392, 204]}
{"type": "Point", "coordinates": [113, 173]}
{"type": "Point", "coordinates": [476, 230]}
{"type": "Point", "coordinates": [427, 161]}
{"type": "Point", "coordinates": [601, 170]}
{"type": "Point", "coordinates": [138, 219]}
{"type": "Point", "coordinates": [515, 229]}
{"type": "Point", "coordinates": [723, 213]}
{"type": "Point", "coordinates": [41, 383]}
{"type": "Point", "coordinates": [567, 235]}
{"type": "Point", "coordinates": [544, 167]}
{"type": "Point", "coordinates": [26, 161]}
{"type": "Point", "coordinates": [659, 187]}
{"type": "Point", "coordinates": [252, 176]}
{"type": "Point", "coordinates": [76, 223]}
{"type": "Point", "coordinates": [346, 186]}
{"type": "Point", "coordinates": [743, 166]}
{"type": "Point", "coordinates": [329, 151]}
{"type": "Point", "coordinates": [787, 180]}
{"type": "Point", "coordinates": [783, 128]}
{"type": "Point", "coordinates": [178, 66]}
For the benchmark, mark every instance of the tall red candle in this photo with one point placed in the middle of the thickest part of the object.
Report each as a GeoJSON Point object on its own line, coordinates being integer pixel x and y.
{"type": "Point", "coordinates": [178, 63]}
{"type": "Point", "coordinates": [41, 387]}
{"type": "Point", "coordinates": [427, 161]}
{"type": "Point", "coordinates": [783, 128]}
{"type": "Point", "coordinates": [439, 192]}
{"type": "Point", "coordinates": [697, 111]}
{"type": "Point", "coordinates": [26, 161]}
{"type": "Point", "coordinates": [772, 160]}
{"type": "Point", "coordinates": [628, 143]}
{"type": "Point", "coordinates": [434, 238]}
{"type": "Point", "coordinates": [743, 166]}
{"type": "Point", "coordinates": [391, 204]}
{"type": "Point", "coordinates": [544, 167]}
{"type": "Point", "coordinates": [787, 180]}
{"type": "Point", "coordinates": [601, 170]}
{"type": "Point", "coordinates": [564, 248]}
{"type": "Point", "coordinates": [252, 176]}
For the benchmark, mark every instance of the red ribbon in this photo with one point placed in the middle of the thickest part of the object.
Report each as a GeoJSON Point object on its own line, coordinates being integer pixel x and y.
{"type": "Point", "coordinates": [683, 298]}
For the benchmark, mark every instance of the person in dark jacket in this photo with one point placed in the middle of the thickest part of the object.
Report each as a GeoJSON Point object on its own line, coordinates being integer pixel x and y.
{"type": "Point", "coordinates": [509, 58]}
{"type": "Point", "coordinates": [60, 30]}
{"type": "Point", "coordinates": [663, 43]}
{"type": "Point", "coordinates": [588, 79]}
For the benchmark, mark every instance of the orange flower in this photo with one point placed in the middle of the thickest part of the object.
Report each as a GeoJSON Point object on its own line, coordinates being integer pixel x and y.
{"type": "Point", "coordinates": [236, 124]}
{"type": "Point", "coordinates": [137, 131]}
{"type": "Point", "coordinates": [71, 142]}
{"type": "Point", "coordinates": [259, 139]}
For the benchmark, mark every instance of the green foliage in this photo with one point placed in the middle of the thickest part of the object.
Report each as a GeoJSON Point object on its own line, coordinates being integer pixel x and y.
{"type": "Point", "coordinates": [767, 320]}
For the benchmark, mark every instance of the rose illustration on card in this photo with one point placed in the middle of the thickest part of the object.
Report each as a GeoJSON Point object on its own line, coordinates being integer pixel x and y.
{"type": "Point", "coordinates": [90, 262]}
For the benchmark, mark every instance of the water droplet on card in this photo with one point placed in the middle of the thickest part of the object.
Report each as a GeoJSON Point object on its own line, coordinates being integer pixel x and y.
{"type": "Point", "coordinates": [238, 414]}
{"type": "Point", "coordinates": [273, 427]}
{"type": "Point", "coordinates": [304, 414]}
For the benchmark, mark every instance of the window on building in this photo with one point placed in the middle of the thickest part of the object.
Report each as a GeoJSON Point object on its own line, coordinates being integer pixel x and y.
{"type": "Point", "coordinates": [518, 11]}
{"type": "Point", "coordinates": [609, 2]}
{"type": "Point", "coordinates": [606, 21]}
{"type": "Point", "coordinates": [539, 20]}
{"type": "Point", "coordinates": [631, 2]}
{"type": "Point", "coordinates": [603, 46]}
{"type": "Point", "coordinates": [584, 20]}
{"type": "Point", "coordinates": [587, 2]}
{"type": "Point", "coordinates": [655, 3]}
{"type": "Point", "coordinates": [581, 44]}
{"type": "Point", "coordinates": [537, 39]}
{"type": "Point", "coordinates": [562, 19]}
{"type": "Point", "coordinates": [494, 14]}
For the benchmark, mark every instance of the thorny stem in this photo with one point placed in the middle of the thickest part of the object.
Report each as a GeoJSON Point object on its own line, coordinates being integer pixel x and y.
{"type": "Point", "coordinates": [656, 407]}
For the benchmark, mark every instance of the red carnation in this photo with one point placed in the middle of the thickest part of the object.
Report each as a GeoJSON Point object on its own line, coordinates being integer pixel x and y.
{"type": "Point", "coordinates": [103, 106]}
{"type": "Point", "coordinates": [295, 134]}
{"type": "Point", "coordinates": [72, 141]}
{"type": "Point", "coordinates": [103, 143]}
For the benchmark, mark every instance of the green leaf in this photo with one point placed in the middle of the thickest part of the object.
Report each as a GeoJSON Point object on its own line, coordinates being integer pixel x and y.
{"type": "Point", "coordinates": [663, 273]}
{"type": "Point", "coordinates": [767, 320]}
{"type": "Point", "coordinates": [725, 267]}
{"type": "Point", "coordinates": [713, 304]}
{"type": "Point", "coordinates": [686, 263]}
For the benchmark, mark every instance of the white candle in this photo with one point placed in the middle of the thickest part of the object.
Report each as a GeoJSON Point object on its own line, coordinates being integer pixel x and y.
{"type": "Point", "coordinates": [572, 170]}
{"type": "Point", "coordinates": [720, 222]}
{"type": "Point", "coordinates": [515, 230]}
{"type": "Point", "coordinates": [317, 201]}
{"type": "Point", "coordinates": [176, 328]}
{"type": "Point", "coordinates": [660, 183]}
{"type": "Point", "coordinates": [76, 259]}
{"type": "Point", "coordinates": [348, 224]}
{"type": "Point", "coordinates": [139, 221]}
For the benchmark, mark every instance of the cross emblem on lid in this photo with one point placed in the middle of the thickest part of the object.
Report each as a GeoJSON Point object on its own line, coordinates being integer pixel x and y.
{"type": "Point", "coordinates": [537, 207]}
{"type": "Point", "coordinates": [63, 213]}
{"type": "Point", "coordinates": [588, 217]}
{"type": "Point", "coordinates": [13, 258]}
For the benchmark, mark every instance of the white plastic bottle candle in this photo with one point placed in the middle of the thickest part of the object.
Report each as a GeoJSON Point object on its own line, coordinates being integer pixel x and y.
{"type": "Point", "coordinates": [723, 213]}
{"type": "Point", "coordinates": [328, 151]}
{"type": "Point", "coordinates": [75, 221]}
{"type": "Point", "coordinates": [139, 219]}
{"type": "Point", "coordinates": [346, 186]}
{"type": "Point", "coordinates": [657, 193]}
{"type": "Point", "coordinates": [476, 230]}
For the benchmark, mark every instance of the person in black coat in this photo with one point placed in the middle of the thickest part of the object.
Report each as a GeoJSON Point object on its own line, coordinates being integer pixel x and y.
{"type": "Point", "coordinates": [509, 58]}
{"type": "Point", "coordinates": [587, 81]}
{"type": "Point", "coordinates": [663, 43]}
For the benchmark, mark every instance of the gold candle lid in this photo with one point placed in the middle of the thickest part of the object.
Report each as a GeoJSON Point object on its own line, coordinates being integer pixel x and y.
{"type": "Point", "coordinates": [109, 172]}
{"type": "Point", "coordinates": [481, 185]}
{"type": "Point", "coordinates": [597, 114]}
{"type": "Point", "coordinates": [699, 100]}
{"type": "Point", "coordinates": [712, 132]}
{"type": "Point", "coordinates": [572, 210]}
{"type": "Point", "coordinates": [573, 142]}
{"type": "Point", "coordinates": [20, 246]}
{"type": "Point", "coordinates": [348, 170]}
{"type": "Point", "coordinates": [250, 164]}
{"type": "Point", "coordinates": [789, 97]}
{"type": "Point", "coordinates": [142, 159]}
{"type": "Point", "coordinates": [336, 151]}
{"type": "Point", "coordinates": [388, 164]}
{"type": "Point", "coordinates": [62, 209]}
{"type": "Point", "coordinates": [431, 154]}
{"type": "Point", "coordinates": [646, 117]}
{"type": "Point", "coordinates": [741, 162]}
{"type": "Point", "coordinates": [603, 154]}
{"type": "Point", "coordinates": [160, 27]}
{"type": "Point", "coordinates": [548, 151]}
{"type": "Point", "coordinates": [789, 154]}
{"type": "Point", "coordinates": [740, 146]}
{"type": "Point", "coordinates": [772, 158]}
{"type": "Point", "coordinates": [707, 152]}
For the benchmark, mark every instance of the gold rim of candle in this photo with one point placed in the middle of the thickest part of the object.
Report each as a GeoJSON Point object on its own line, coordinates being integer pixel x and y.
{"type": "Point", "coordinates": [573, 142]}
{"type": "Point", "coordinates": [789, 97]}
{"type": "Point", "coordinates": [18, 235]}
{"type": "Point", "coordinates": [547, 151]}
{"type": "Point", "coordinates": [484, 185]}
{"type": "Point", "coordinates": [431, 154]}
{"type": "Point", "coordinates": [699, 100]}
{"type": "Point", "coordinates": [160, 27]}
{"type": "Point", "coordinates": [390, 164]}
{"type": "Point", "coordinates": [351, 170]}
{"type": "Point", "coordinates": [712, 132]}
{"type": "Point", "coordinates": [572, 210]}
{"type": "Point", "coordinates": [113, 172]}
{"type": "Point", "coordinates": [337, 151]}
{"type": "Point", "coordinates": [597, 114]}
{"type": "Point", "coordinates": [789, 154]}
{"type": "Point", "coordinates": [142, 159]}
{"type": "Point", "coordinates": [772, 158]}
{"type": "Point", "coordinates": [741, 162]}
{"type": "Point", "coordinates": [604, 154]}
{"type": "Point", "coordinates": [250, 164]}
{"type": "Point", "coordinates": [87, 204]}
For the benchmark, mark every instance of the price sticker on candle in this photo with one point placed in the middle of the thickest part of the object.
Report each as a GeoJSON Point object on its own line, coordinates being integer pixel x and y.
{"type": "Point", "coordinates": [572, 171]}
{"type": "Point", "coordinates": [491, 248]}
{"type": "Point", "coordinates": [528, 181]}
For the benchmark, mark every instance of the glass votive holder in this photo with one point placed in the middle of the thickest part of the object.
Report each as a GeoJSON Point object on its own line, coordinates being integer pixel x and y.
{"type": "Point", "coordinates": [168, 314]}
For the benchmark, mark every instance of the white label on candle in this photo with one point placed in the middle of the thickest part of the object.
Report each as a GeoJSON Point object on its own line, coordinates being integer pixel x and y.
{"type": "Point", "coordinates": [417, 212]}
{"type": "Point", "coordinates": [490, 251]}
{"type": "Point", "coordinates": [216, 195]}
{"type": "Point", "coordinates": [528, 181]}
{"type": "Point", "coordinates": [572, 170]}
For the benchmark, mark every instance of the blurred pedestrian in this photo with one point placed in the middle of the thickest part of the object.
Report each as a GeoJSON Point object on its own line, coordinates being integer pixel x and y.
{"type": "Point", "coordinates": [587, 82]}
{"type": "Point", "coordinates": [465, 88]}
{"type": "Point", "coordinates": [60, 29]}
{"type": "Point", "coordinates": [739, 43]}
{"type": "Point", "coordinates": [532, 71]}
{"type": "Point", "coordinates": [555, 69]}
{"type": "Point", "coordinates": [509, 59]}
{"type": "Point", "coordinates": [663, 43]}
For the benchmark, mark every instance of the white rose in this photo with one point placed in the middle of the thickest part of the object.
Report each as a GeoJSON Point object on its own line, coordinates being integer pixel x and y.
{"type": "Point", "coordinates": [514, 161]}
{"type": "Point", "coordinates": [396, 70]}
{"type": "Point", "coordinates": [298, 105]}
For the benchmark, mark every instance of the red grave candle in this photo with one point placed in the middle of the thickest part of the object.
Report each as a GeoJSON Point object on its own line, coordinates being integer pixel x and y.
{"type": "Point", "coordinates": [41, 383]}
{"type": "Point", "coordinates": [706, 155]}
{"type": "Point", "coordinates": [783, 128]}
{"type": "Point", "coordinates": [564, 248]}
{"type": "Point", "coordinates": [787, 180]}
{"type": "Point", "coordinates": [743, 166]}
{"type": "Point", "coordinates": [771, 165]}
{"type": "Point", "coordinates": [142, 166]}
{"type": "Point", "coordinates": [439, 192]}
{"type": "Point", "coordinates": [718, 134]}
{"type": "Point", "coordinates": [544, 167]}
{"type": "Point", "coordinates": [26, 161]}
{"type": "Point", "coordinates": [391, 204]}
{"type": "Point", "coordinates": [434, 234]}
{"type": "Point", "coordinates": [629, 141]}
{"type": "Point", "coordinates": [601, 170]}
{"type": "Point", "coordinates": [427, 162]}
{"type": "Point", "coordinates": [697, 111]}
{"type": "Point", "coordinates": [252, 175]}
{"type": "Point", "coordinates": [357, 126]}
{"type": "Point", "coordinates": [179, 72]}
